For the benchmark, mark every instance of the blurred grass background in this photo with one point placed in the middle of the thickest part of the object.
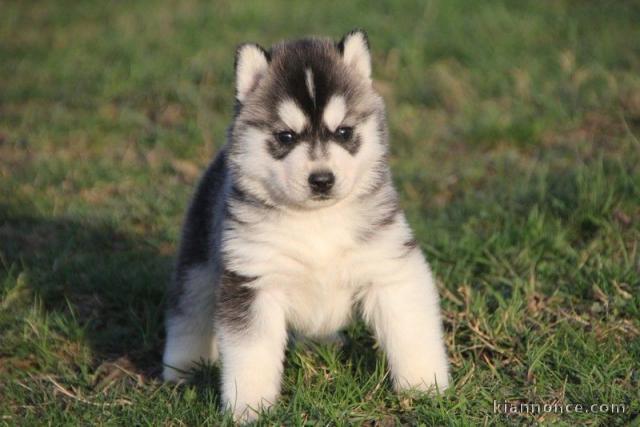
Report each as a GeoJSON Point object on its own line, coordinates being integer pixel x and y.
{"type": "Point", "coordinates": [514, 130]}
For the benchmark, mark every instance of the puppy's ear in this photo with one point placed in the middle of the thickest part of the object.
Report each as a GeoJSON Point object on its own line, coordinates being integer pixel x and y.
{"type": "Point", "coordinates": [252, 62]}
{"type": "Point", "coordinates": [355, 52]}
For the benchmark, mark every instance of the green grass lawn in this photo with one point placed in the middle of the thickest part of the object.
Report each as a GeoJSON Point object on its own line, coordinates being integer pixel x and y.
{"type": "Point", "coordinates": [515, 131]}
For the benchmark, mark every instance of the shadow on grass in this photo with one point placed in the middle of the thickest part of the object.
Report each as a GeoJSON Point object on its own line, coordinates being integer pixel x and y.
{"type": "Point", "coordinates": [111, 284]}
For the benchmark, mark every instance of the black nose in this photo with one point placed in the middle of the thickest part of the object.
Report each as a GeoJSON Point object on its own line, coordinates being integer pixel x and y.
{"type": "Point", "coordinates": [321, 182]}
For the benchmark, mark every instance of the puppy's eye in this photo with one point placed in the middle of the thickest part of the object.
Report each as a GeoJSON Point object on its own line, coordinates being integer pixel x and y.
{"type": "Point", "coordinates": [344, 133]}
{"type": "Point", "coordinates": [286, 137]}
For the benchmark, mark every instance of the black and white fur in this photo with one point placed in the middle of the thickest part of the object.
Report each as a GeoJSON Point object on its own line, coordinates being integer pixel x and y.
{"type": "Point", "coordinates": [263, 252]}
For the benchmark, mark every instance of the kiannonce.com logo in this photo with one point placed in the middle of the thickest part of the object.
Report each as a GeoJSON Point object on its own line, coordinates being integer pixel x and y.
{"type": "Point", "coordinates": [506, 407]}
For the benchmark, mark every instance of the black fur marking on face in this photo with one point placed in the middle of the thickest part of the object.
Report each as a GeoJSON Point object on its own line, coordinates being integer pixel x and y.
{"type": "Point", "coordinates": [295, 67]}
{"type": "Point", "coordinates": [279, 150]}
{"type": "Point", "coordinates": [234, 300]}
{"type": "Point", "coordinates": [352, 145]}
{"type": "Point", "coordinates": [260, 124]}
{"type": "Point", "coordinates": [314, 146]}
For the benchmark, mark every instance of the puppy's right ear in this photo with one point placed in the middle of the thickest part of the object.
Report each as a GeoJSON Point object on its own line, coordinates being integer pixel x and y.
{"type": "Point", "coordinates": [252, 62]}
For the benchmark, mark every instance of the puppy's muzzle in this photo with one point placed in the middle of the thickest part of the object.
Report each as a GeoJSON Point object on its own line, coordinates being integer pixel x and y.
{"type": "Point", "coordinates": [321, 182]}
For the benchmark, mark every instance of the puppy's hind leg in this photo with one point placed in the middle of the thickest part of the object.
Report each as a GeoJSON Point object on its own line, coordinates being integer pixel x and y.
{"type": "Point", "coordinates": [189, 324]}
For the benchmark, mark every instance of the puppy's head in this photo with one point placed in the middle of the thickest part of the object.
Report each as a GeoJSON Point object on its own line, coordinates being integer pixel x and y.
{"type": "Point", "coordinates": [310, 130]}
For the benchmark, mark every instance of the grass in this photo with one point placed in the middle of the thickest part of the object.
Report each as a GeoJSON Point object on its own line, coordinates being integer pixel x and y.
{"type": "Point", "coordinates": [515, 131]}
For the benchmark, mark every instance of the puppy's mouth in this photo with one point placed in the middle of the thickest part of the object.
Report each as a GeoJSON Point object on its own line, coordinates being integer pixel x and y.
{"type": "Point", "coordinates": [319, 201]}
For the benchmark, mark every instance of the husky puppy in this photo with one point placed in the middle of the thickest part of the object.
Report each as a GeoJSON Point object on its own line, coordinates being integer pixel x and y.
{"type": "Point", "coordinates": [296, 225]}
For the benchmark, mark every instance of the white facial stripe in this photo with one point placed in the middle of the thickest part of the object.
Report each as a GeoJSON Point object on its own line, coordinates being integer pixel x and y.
{"type": "Point", "coordinates": [310, 87]}
{"type": "Point", "coordinates": [334, 112]}
{"type": "Point", "coordinates": [292, 115]}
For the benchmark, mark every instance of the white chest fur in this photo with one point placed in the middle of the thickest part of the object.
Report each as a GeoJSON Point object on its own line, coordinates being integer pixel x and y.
{"type": "Point", "coordinates": [308, 261]}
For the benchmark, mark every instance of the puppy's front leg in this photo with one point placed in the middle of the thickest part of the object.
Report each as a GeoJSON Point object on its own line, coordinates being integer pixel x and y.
{"type": "Point", "coordinates": [252, 352]}
{"type": "Point", "coordinates": [403, 309]}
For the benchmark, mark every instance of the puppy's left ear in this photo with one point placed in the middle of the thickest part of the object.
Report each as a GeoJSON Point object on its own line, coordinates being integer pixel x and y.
{"type": "Point", "coordinates": [252, 62]}
{"type": "Point", "coordinates": [354, 48]}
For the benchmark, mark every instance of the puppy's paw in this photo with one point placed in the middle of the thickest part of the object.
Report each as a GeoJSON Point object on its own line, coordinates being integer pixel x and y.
{"type": "Point", "coordinates": [245, 416]}
{"type": "Point", "coordinates": [244, 413]}
{"type": "Point", "coordinates": [432, 381]}
{"type": "Point", "coordinates": [175, 375]}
